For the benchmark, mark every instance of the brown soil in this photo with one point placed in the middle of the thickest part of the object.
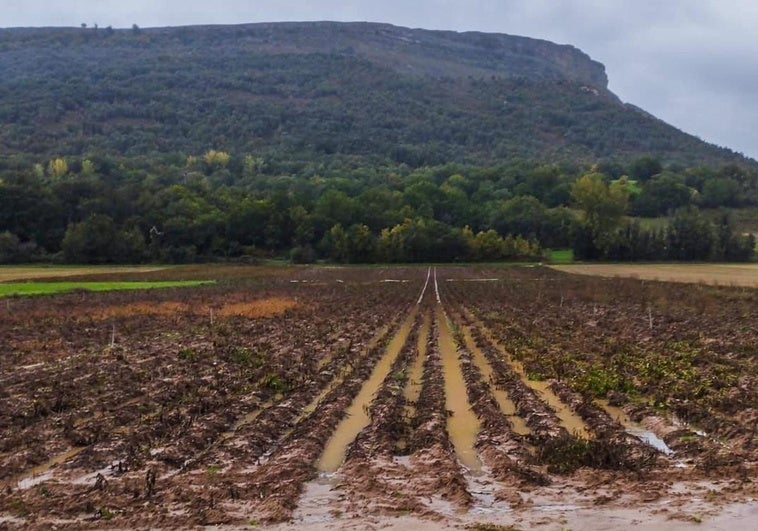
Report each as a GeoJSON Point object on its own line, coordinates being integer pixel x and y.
{"type": "Point", "coordinates": [16, 273]}
{"type": "Point", "coordinates": [257, 308]}
{"type": "Point", "coordinates": [137, 410]}
{"type": "Point", "coordinates": [719, 274]}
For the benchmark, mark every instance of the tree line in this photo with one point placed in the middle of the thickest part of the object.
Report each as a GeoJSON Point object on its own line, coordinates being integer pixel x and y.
{"type": "Point", "coordinates": [218, 205]}
{"type": "Point", "coordinates": [604, 233]}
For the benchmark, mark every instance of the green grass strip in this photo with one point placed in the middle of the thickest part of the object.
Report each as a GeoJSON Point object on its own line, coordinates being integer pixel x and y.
{"type": "Point", "coordinates": [561, 256]}
{"type": "Point", "coordinates": [49, 288]}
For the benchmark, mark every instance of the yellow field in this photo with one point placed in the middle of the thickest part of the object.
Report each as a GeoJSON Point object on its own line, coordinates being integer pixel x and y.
{"type": "Point", "coordinates": [720, 274]}
{"type": "Point", "coordinates": [8, 273]}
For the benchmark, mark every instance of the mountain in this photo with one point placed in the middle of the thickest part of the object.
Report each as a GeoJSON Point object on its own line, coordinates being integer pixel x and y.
{"type": "Point", "coordinates": [311, 91]}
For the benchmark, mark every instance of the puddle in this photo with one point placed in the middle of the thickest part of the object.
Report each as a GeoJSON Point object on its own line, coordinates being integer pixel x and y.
{"type": "Point", "coordinates": [462, 424]}
{"type": "Point", "coordinates": [31, 481]}
{"type": "Point", "coordinates": [557, 507]}
{"type": "Point", "coordinates": [485, 497]}
{"type": "Point", "coordinates": [315, 503]}
{"type": "Point", "coordinates": [42, 472]}
{"type": "Point", "coordinates": [106, 471]}
{"type": "Point", "coordinates": [356, 417]}
{"type": "Point", "coordinates": [650, 438]}
{"type": "Point", "coordinates": [441, 506]}
{"type": "Point", "coordinates": [501, 396]}
{"type": "Point", "coordinates": [632, 428]}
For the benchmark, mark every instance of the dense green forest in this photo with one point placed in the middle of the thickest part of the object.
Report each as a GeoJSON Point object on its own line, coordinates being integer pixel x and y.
{"type": "Point", "coordinates": [218, 205]}
{"type": "Point", "coordinates": [319, 91]}
{"type": "Point", "coordinates": [349, 142]}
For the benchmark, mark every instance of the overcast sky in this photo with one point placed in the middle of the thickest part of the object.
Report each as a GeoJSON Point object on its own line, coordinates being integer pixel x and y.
{"type": "Point", "coordinates": [693, 63]}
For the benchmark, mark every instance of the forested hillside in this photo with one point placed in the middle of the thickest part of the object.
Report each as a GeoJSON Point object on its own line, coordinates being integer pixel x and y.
{"type": "Point", "coordinates": [311, 91]}
{"type": "Point", "coordinates": [349, 142]}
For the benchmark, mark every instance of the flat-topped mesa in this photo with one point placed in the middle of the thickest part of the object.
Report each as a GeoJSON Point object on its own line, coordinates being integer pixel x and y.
{"type": "Point", "coordinates": [445, 53]}
{"type": "Point", "coordinates": [496, 54]}
{"type": "Point", "coordinates": [411, 51]}
{"type": "Point", "coordinates": [317, 91]}
{"type": "Point", "coordinates": [433, 52]}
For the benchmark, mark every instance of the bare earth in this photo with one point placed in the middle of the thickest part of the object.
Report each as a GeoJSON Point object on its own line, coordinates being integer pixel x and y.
{"type": "Point", "coordinates": [313, 398]}
{"type": "Point", "coordinates": [8, 273]}
{"type": "Point", "coordinates": [720, 274]}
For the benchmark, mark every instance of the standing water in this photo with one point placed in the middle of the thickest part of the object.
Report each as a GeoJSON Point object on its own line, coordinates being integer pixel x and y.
{"type": "Point", "coordinates": [43, 472]}
{"type": "Point", "coordinates": [632, 428]}
{"type": "Point", "coordinates": [356, 417]}
{"type": "Point", "coordinates": [503, 400]}
{"type": "Point", "coordinates": [462, 424]}
{"type": "Point", "coordinates": [569, 420]}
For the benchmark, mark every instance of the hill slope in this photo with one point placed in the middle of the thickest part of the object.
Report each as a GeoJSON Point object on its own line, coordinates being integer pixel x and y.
{"type": "Point", "coordinates": [313, 90]}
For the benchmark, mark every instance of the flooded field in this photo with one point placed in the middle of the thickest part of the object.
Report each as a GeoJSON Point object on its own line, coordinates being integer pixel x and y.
{"type": "Point", "coordinates": [403, 397]}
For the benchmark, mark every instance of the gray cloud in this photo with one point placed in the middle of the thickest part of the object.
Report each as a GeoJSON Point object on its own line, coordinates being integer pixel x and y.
{"type": "Point", "coordinates": [692, 63]}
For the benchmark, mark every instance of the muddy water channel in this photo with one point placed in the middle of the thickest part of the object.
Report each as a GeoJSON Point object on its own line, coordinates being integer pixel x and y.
{"type": "Point", "coordinates": [356, 417]}
{"type": "Point", "coordinates": [569, 420]}
{"type": "Point", "coordinates": [462, 424]}
{"type": "Point", "coordinates": [636, 429]}
{"type": "Point", "coordinates": [43, 472]}
{"type": "Point", "coordinates": [501, 396]}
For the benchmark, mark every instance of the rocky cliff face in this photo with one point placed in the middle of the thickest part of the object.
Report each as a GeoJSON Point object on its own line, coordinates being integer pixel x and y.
{"type": "Point", "coordinates": [474, 53]}
{"type": "Point", "coordinates": [417, 51]}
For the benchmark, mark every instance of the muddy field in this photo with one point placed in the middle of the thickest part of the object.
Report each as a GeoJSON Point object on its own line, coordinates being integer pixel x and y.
{"type": "Point", "coordinates": [321, 398]}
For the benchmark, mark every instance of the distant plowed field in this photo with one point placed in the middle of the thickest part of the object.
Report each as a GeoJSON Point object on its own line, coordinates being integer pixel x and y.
{"type": "Point", "coordinates": [406, 397]}
{"type": "Point", "coordinates": [8, 273]}
{"type": "Point", "coordinates": [719, 274]}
